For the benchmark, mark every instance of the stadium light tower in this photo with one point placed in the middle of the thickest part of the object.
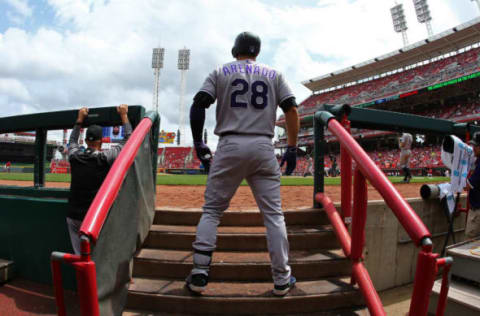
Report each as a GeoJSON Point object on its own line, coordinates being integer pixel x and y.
{"type": "Point", "coordinates": [183, 65]}
{"type": "Point", "coordinates": [157, 64]}
{"type": "Point", "coordinates": [399, 22]}
{"type": "Point", "coordinates": [423, 14]}
{"type": "Point", "coordinates": [478, 3]}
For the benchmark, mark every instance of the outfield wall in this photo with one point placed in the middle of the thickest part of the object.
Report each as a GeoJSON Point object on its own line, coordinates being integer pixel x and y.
{"type": "Point", "coordinates": [390, 254]}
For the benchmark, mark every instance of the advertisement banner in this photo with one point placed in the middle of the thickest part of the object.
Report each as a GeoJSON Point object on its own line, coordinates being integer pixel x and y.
{"type": "Point", "coordinates": [166, 138]}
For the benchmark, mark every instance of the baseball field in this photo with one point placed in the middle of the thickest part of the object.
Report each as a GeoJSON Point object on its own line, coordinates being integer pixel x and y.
{"type": "Point", "coordinates": [186, 191]}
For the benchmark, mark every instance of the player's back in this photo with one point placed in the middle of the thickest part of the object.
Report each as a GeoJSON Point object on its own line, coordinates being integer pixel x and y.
{"type": "Point", "coordinates": [407, 141]}
{"type": "Point", "coordinates": [247, 94]}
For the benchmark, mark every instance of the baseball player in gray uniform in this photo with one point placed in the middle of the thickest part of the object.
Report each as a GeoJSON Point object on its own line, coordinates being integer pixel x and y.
{"type": "Point", "coordinates": [405, 144]}
{"type": "Point", "coordinates": [247, 95]}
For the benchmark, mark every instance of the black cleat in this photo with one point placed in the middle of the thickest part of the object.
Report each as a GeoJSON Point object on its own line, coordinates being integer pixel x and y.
{"type": "Point", "coordinates": [197, 283]}
{"type": "Point", "coordinates": [282, 290]}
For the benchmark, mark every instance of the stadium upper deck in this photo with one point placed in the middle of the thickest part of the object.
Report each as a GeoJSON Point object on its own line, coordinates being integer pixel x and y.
{"type": "Point", "coordinates": [442, 57]}
{"type": "Point", "coordinates": [431, 48]}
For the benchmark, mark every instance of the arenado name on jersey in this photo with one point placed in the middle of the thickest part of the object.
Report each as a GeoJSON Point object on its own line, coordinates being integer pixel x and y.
{"type": "Point", "coordinates": [248, 68]}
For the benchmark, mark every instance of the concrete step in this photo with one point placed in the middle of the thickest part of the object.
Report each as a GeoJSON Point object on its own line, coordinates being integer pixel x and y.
{"type": "Point", "coordinates": [240, 266]}
{"type": "Point", "coordinates": [339, 312]}
{"type": "Point", "coordinates": [241, 238]}
{"type": "Point", "coordinates": [6, 270]}
{"type": "Point", "coordinates": [191, 217]}
{"type": "Point", "coordinates": [466, 258]}
{"type": "Point", "coordinates": [242, 298]}
{"type": "Point", "coordinates": [463, 299]}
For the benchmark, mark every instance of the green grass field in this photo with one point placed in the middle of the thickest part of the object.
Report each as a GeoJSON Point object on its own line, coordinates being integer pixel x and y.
{"type": "Point", "coordinates": [175, 179]}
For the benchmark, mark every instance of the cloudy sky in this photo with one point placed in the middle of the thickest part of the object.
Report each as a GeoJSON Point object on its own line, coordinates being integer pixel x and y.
{"type": "Point", "coordinates": [61, 54]}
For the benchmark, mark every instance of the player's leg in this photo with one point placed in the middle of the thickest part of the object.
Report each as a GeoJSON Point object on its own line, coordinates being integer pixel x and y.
{"type": "Point", "coordinates": [226, 174]}
{"type": "Point", "coordinates": [402, 164]}
{"type": "Point", "coordinates": [73, 230]}
{"type": "Point", "coordinates": [264, 180]}
{"type": "Point", "coordinates": [408, 175]}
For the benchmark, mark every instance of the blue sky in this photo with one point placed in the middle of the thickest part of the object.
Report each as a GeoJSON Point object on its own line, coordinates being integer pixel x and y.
{"type": "Point", "coordinates": [61, 54]}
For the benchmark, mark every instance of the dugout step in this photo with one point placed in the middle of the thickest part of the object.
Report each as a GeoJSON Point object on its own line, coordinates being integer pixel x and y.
{"type": "Point", "coordinates": [356, 311]}
{"type": "Point", "coordinates": [241, 266]}
{"type": "Point", "coordinates": [463, 299]}
{"type": "Point", "coordinates": [466, 260]}
{"type": "Point", "coordinates": [239, 218]}
{"type": "Point", "coordinates": [241, 238]}
{"type": "Point", "coordinates": [6, 271]}
{"type": "Point", "coordinates": [242, 298]}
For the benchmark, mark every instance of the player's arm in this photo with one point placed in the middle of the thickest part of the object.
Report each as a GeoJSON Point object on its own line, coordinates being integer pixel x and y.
{"type": "Point", "coordinates": [292, 121]}
{"type": "Point", "coordinates": [201, 102]}
{"type": "Point", "coordinates": [73, 141]}
{"type": "Point", "coordinates": [401, 142]}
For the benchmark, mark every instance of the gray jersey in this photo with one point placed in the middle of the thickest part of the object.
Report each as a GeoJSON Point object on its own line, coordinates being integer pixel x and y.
{"type": "Point", "coordinates": [407, 141]}
{"type": "Point", "coordinates": [247, 94]}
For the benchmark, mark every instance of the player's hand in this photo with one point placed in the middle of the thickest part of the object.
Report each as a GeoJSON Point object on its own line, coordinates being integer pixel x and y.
{"type": "Point", "coordinates": [204, 154]}
{"type": "Point", "coordinates": [82, 114]}
{"type": "Point", "coordinates": [122, 109]}
{"type": "Point", "coordinates": [290, 156]}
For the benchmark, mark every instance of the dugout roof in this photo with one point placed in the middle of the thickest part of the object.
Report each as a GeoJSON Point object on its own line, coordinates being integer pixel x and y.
{"type": "Point", "coordinates": [451, 40]}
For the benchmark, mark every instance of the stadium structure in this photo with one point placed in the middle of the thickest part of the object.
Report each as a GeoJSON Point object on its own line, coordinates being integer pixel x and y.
{"type": "Point", "coordinates": [437, 77]}
{"type": "Point", "coordinates": [19, 148]}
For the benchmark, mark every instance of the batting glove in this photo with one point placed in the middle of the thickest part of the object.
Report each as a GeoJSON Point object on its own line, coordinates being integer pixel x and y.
{"type": "Point", "coordinates": [204, 154]}
{"type": "Point", "coordinates": [290, 157]}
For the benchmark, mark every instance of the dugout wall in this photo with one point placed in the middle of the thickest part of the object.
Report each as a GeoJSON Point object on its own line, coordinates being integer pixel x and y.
{"type": "Point", "coordinates": [32, 219]}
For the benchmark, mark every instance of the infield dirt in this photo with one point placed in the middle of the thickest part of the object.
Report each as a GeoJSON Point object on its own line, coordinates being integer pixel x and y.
{"type": "Point", "coordinates": [183, 196]}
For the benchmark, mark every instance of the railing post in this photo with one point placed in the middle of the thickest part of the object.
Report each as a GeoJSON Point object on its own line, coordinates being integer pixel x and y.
{"type": "Point", "coordinates": [57, 283]}
{"type": "Point", "coordinates": [446, 263]}
{"type": "Point", "coordinates": [87, 288]}
{"type": "Point", "coordinates": [360, 200]}
{"type": "Point", "coordinates": [40, 156]}
{"type": "Point", "coordinates": [424, 278]}
{"type": "Point", "coordinates": [319, 159]}
{"type": "Point", "coordinates": [87, 281]}
{"type": "Point", "coordinates": [346, 178]}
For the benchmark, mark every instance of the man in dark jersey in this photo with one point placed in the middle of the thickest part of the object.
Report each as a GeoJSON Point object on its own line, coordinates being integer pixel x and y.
{"type": "Point", "coordinates": [89, 168]}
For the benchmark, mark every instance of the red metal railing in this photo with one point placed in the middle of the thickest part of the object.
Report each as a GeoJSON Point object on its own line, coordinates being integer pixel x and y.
{"type": "Point", "coordinates": [428, 263]}
{"type": "Point", "coordinates": [91, 227]}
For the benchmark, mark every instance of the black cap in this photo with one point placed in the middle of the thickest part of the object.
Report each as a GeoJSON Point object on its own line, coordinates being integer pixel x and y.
{"type": "Point", "coordinates": [475, 141]}
{"type": "Point", "coordinates": [94, 133]}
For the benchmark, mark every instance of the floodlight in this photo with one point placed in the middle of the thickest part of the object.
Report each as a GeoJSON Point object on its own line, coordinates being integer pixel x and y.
{"type": "Point", "coordinates": [157, 58]}
{"type": "Point", "coordinates": [398, 18]}
{"type": "Point", "coordinates": [423, 14]}
{"type": "Point", "coordinates": [399, 22]}
{"type": "Point", "coordinates": [183, 65]}
{"type": "Point", "coordinates": [183, 59]}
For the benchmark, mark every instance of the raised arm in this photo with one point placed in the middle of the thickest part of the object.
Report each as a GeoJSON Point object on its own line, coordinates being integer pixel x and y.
{"type": "Point", "coordinates": [73, 141]}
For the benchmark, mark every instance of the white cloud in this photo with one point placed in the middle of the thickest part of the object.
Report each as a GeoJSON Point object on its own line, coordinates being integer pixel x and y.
{"type": "Point", "coordinates": [99, 52]}
{"type": "Point", "coordinates": [21, 7]}
{"type": "Point", "coordinates": [20, 11]}
{"type": "Point", "coordinates": [14, 89]}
